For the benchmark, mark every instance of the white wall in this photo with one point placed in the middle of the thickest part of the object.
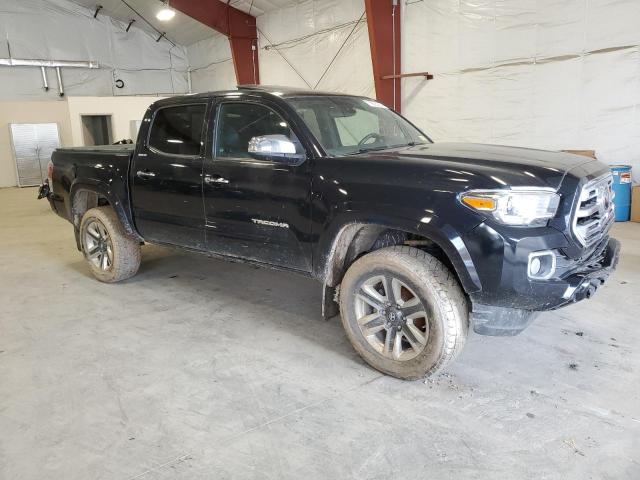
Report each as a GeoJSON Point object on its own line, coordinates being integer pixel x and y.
{"type": "Point", "coordinates": [211, 65]}
{"type": "Point", "coordinates": [123, 111]}
{"type": "Point", "coordinates": [553, 74]}
{"type": "Point", "coordinates": [351, 72]}
{"type": "Point", "coordinates": [323, 23]}
{"type": "Point", "coordinates": [62, 30]}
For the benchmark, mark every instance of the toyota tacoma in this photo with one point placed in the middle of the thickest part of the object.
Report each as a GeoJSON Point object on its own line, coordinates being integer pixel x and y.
{"type": "Point", "coordinates": [413, 241]}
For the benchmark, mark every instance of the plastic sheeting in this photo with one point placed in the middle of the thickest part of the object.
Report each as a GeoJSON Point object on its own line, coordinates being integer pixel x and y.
{"type": "Point", "coordinates": [211, 65]}
{"type": "Point", "coordinates": [307, 37]}
{"type": "Point", "coordinates": [552, 74]}
{"type": "Point", "coordinates": [313, 32]}
{"type": "Point", "coordinates": [62, 30]}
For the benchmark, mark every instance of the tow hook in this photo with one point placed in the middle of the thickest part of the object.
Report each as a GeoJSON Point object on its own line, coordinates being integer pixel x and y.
{"type": "Point", "coordinates": [44, 190]}
{"type": "Point", "coordinates": [587, 289]}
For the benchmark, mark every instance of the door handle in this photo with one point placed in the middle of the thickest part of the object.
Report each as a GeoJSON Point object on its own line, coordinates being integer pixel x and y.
{"type": "Point", "coordinates": [208, 179]}
{"type": "Point", "coordinates": [145, 174]}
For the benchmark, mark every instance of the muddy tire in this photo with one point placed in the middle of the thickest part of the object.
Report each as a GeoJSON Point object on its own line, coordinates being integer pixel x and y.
{"type": "Point", "coordinates": [112, 255]}
{"type": "Point", "coordinates": [404, 312]}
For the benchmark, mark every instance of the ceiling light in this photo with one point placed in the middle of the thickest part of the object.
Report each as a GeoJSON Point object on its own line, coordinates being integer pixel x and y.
{"type": "Point", "coordinates": [166, 13]}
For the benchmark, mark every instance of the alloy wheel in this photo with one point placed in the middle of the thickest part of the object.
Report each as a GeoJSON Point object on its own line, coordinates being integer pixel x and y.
{"type": "Point", "coordinates": [98, 245]}
{"type": "Point", "coordinates": [391, 317]}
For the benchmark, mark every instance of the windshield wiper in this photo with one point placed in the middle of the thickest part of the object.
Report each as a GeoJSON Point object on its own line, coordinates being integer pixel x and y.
{"type": "Point", "coordinates": [365, 150]}
{"type": "Point", "coordinates": [384, 147]}
{"type": "Point", "coordinates": [372, 149]}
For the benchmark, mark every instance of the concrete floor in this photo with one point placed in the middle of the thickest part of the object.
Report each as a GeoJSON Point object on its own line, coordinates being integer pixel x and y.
{"type": "Point", "coordinates": [198, 368]}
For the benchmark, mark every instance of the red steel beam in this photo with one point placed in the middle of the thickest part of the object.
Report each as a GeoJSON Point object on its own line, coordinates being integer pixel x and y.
{"type": "Point", "coordinates": [383, 22]}
{"type": "Point", "coordinates": [238, 26]}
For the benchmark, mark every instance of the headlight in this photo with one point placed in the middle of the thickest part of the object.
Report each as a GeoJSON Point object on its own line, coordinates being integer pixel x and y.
{"type": "Point", "coordinates": [526, 207]}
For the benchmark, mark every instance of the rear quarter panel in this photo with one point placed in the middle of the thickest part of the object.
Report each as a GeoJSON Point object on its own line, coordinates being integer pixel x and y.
{"type": "Point", "coordinates": [101, 170]}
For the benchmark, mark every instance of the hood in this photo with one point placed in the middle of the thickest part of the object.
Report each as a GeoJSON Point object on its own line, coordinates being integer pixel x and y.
{"type": "Point", "coordinates": [489, 166]}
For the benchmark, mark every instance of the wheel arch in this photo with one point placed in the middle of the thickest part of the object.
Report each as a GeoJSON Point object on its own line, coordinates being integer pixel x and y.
{"type": "Point", "coordinates": [358, 237]}
{"type": "Point", "coordinates": [86, 195]}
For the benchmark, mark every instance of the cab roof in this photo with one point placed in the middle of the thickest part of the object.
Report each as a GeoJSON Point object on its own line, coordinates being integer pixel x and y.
{"type": "Point", "coordinates": [260, 90]}
{"type": "Point", "coordinates": [284, 91]}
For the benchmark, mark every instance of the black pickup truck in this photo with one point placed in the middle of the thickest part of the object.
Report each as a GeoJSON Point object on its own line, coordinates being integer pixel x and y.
{"type": "Point", "coordinates": [412, 240]}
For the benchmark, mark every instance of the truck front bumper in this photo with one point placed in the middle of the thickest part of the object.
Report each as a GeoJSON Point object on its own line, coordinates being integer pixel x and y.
{"type": "Point", "coordinates": [583, 285]}
{"type": "Point", "coordinates": [511, 308]}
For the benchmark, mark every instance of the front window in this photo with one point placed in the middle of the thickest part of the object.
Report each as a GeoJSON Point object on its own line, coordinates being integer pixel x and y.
{"type": "Point", "coordinates": [238, 123]}
{"type": "Point", "coordinates": [347, 125]}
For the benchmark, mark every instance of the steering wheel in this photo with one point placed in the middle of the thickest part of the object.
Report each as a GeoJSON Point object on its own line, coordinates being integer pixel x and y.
{"type": "Point", "coordinates": [369, 136]}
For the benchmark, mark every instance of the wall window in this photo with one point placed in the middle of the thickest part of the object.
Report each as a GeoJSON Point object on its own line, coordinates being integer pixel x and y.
{"type": "Point", "coordinates": [178, 130]}
{"type": "Point", "coordinates": [238, 123]}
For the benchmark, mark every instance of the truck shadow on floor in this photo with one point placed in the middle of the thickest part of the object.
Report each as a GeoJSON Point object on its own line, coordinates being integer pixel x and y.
{"type": "Point", "coordinates": [290, 301]}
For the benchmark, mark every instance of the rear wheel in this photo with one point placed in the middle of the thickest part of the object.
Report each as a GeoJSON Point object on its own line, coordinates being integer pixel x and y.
{"type": "Point", "coordinates": [404, 312]}
{"type": "Point", "coordinates": [112, 255]}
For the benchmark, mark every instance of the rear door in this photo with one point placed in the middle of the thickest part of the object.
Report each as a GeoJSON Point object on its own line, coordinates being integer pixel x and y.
{"type": "Point", "coordinates": [255, 209]}
{"type": "Point", "coordinates": [167, 176]}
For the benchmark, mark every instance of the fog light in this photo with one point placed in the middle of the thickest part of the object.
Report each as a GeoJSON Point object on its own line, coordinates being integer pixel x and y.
{"type": "Point", "coordinates": [542, 265]}
{"type": "Point", "coordinates": [535, 265]}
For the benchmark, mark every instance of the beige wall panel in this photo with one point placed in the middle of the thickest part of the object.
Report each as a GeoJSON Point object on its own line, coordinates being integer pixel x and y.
{"type": "Point", "coordinates": [123, 111]}
{"type": "Point", "coordinates": [28, 112]}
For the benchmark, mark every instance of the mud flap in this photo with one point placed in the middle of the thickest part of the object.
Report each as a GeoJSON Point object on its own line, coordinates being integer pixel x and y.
{"type": "Point", "coordinates": [76, 232]}
{"type": "Point", "coordinates": [330, 306]}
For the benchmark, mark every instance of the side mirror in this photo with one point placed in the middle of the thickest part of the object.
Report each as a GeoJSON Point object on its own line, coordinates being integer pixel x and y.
{"type": "Point", "coordinates": [275, 148]}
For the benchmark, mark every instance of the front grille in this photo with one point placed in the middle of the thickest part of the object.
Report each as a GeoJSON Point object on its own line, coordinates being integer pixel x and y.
{"type": "Point", "coordinates": [594, 215]}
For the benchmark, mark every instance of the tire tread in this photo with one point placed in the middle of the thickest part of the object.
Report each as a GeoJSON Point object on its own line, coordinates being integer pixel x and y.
{"type": "Point", "coordinates": [127, 255]}
{"type": "Point", "coordinates": [451, 299]}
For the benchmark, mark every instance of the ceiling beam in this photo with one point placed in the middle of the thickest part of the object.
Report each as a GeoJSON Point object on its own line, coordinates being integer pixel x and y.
{"type": "Point", "coordinates": [238, 26]}
{"type": "Point", "coordinates": [383, 22]}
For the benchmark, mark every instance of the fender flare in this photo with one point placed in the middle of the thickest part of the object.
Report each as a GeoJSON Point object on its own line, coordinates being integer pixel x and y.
{"type": "Point", "coordinates": [102, 189]}
{"type": "Point", "coordinates": [331, 269]}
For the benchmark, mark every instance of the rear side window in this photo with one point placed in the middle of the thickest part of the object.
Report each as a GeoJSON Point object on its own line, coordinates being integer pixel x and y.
{"type": "Point", "coordinates": [178, 130]}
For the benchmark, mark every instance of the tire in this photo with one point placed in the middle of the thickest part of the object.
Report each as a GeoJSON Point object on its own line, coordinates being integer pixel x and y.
{"type": "Point", "coordinates": [102, 235]}
{"type": "Point", "coordinates": [430, 320]}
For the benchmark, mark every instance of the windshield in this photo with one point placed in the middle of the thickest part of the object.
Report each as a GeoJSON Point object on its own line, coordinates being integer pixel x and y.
{"type": "Point", "coordinates": [347, 125]}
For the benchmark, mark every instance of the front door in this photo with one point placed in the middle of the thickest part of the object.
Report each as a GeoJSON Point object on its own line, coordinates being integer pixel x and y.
{"type": "Point", "coordinates": [255, 209]}
{"type": "Point", "coordinates": [167, 177]}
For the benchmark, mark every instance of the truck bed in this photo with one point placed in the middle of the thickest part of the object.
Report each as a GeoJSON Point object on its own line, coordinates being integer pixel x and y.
{"type": "Point", "coordinates": [102, 169]}
{"type": "Point", "coordinates": [111, 149]}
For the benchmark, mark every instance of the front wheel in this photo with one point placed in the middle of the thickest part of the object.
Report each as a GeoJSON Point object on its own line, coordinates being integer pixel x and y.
{"type": "Point", "coordinates": [111, 254]}
{"type": "Point", "coordinates": [404, 312]}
